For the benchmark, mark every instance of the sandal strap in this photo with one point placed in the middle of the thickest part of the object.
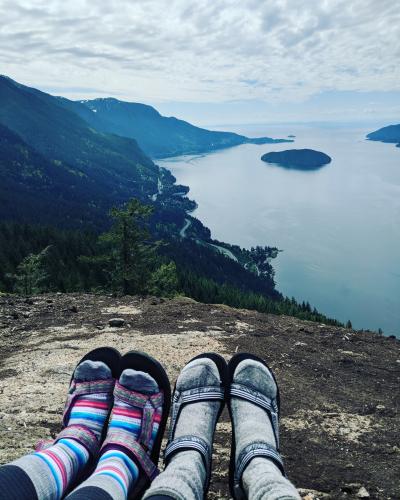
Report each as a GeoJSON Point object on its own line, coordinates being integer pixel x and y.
{"type": "Point", "coordinates": [83, 435]}
{"type": "Point", "coordinates": [138, 399]}
{"type": "Point", "coordinates": [135, 450]}
{"type": "Point", "coordinates": [257, 449]}
{"type": "Point", "coordinates": [270, 405]}
{"type": "Point", "coordinates": [77, 389]}
{"type": "Point", "coordinates": [208, 393]}
{"type": "Point", "coordinates": [148, 403]}
{"type": "Point", "coordinates": [189, 442]}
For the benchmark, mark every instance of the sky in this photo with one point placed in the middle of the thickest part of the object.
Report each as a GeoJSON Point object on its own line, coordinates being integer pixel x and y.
{"type": "Point", "coordinates": [213, 61]}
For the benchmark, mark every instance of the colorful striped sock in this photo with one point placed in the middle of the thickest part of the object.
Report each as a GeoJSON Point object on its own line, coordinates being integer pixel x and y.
{"type": "Point", "coordinates": [116, 472]}
{"type": "Point", "coordinates": [91, 410]}
{"type": "Point", "coordinates": [53, 469]}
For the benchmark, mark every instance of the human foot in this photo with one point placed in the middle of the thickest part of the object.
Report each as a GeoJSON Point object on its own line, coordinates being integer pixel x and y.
{"type": "Point", "coordinates": [256, 465]}
{"type": "Point", "coordinates": [197, 403]}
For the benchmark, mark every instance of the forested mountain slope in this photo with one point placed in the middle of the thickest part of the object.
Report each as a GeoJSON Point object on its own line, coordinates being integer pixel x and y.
{"type": "Point", "coordinates": [159, 136]}
{"type": "Point", "coordinates": [115, 167]}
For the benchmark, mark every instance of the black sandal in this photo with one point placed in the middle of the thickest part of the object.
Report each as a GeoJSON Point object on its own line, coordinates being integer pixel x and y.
{"type": "Point", "coordinates": [256, 449]}
{"type": "Point", "coordinates": [180, 399]}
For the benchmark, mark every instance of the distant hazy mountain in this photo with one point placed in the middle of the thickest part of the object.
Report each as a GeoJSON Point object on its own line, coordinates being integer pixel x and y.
{"type": "Point", "coordinates": [389, 134]}
{"type": "Point", "coordinates": [157, 135]}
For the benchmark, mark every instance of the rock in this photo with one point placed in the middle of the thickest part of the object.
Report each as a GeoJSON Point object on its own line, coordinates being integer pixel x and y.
{"type": "Point", "coordinates": [307, 494]}
{"type": "Point", "coordinates": [351, 488]}
{"type": "Point", "coordinates": [362, 493]}
{"type": "Point", "coordinates": [28, 301]}
{"type": "Point", "coordinates": [116, 322]}
{"type": "Point", "coordinates": [73, 309]}
{"type": "Point", "coordinates": [154, 301]}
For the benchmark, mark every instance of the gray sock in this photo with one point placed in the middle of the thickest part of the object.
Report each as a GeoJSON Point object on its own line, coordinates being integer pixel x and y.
{"type": "Point", "coordinates": [185, 476]}
{"type": "Point", "coordinates": [262, 479]}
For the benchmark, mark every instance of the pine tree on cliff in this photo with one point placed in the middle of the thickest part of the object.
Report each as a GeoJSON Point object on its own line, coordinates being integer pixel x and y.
{"type": "Point", "coordinates": [130, 254]}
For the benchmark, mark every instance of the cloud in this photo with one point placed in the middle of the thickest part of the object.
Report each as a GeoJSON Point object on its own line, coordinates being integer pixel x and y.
{"type": "Point", "coordinates": [205, 51]}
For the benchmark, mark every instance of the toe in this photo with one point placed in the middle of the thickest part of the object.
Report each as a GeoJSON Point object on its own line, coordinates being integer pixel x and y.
{"type": "Point", "coordinates": [200, 372]}
{"type": "Point", "coordinates": [255, 376]}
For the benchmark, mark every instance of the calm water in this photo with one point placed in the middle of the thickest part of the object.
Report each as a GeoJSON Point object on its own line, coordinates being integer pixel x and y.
{"type": "Point", "coordinates": [338, 226]}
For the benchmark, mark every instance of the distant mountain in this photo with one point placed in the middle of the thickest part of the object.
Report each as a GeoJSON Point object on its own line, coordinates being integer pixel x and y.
{"type": "Point", "coordinates": [301, 159]}
{"type": "Point", "coordinates": [104, 168]}
{"type": "Point", "coordinates": [390, 134]}
{"type": "Point", "coordinates": [157, 135]}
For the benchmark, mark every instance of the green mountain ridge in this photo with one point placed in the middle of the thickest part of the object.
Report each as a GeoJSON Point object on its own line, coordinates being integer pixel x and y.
{"type": "Point", "coordinates": [157, 135]}
{"type": "Point", "coordinates": [115, 165]}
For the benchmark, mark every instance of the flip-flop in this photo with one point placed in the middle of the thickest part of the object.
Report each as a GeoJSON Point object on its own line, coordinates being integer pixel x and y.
{"type": "Point", "coordinates": [257, 449]}
{"type": "Point", "coordinates": [137, 449]}
{"type": "Point", "coordinates": [181, 399]}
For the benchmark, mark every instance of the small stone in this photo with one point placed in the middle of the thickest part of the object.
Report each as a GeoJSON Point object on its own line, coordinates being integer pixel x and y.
{"type": "Point", "coordinates": [362, 493]}
{"type": "Point", "coordinates": [116, 322]}
{"type": "Point", "coordinates": [73, 309]}
{"type": "Point", "coordinates": [351, 488]}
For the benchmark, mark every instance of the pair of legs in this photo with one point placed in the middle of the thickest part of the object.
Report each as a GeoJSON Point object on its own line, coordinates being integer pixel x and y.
{"type": "Point", "coordinates": [100, 456]}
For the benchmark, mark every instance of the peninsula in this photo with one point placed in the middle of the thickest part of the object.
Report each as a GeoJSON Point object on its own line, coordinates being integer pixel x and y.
{"type": "Point", "coordinates": [390, 134]}
{"type": "Point", "coordinates": [301, 159]}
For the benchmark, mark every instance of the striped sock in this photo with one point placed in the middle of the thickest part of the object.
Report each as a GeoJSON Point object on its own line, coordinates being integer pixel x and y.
{"type": "Point", "coordinates": [52, 470]}
{"type": "Point", "coordinates": [116, 472]}
{"type": "Point", "coordinates": [91, 410]}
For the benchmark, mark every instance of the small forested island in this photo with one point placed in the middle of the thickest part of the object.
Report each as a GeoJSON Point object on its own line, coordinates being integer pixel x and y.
{"type": "Point", "coordinates": [390, 134]}
{"type": "Point", "coordinates": [301, 159]}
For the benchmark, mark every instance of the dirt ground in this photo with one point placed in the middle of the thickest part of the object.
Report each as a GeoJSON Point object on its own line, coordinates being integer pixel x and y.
{"type": "Point", "coordinates": [340, 424]}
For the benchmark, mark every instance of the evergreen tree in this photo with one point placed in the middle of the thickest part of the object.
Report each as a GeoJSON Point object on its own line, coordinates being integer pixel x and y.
{"type": "Point", "coordinates": [129, 254]}
{"type": "Point", "coordinates": [31, 275]}
{"type": "Point", "coordinates": [164, 281]}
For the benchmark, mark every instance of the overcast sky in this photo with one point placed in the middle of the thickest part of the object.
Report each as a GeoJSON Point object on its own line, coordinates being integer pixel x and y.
{"type": "Point", "coordinates": [213, 61]}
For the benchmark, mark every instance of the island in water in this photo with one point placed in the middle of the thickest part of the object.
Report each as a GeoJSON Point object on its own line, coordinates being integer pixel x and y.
{"type": "Point", "coordinates": [301, 159]}
{"type": "Point", "coordinates": [390, 134]}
